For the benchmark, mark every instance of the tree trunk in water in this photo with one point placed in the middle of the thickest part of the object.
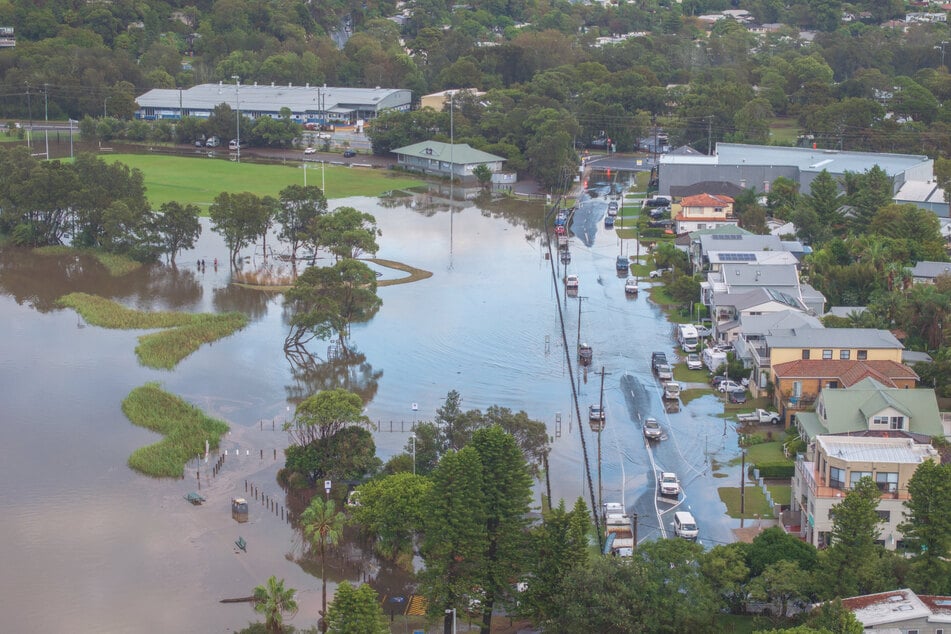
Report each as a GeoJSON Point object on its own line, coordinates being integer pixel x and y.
{"type": "Point", "coordinates": [487, 616]}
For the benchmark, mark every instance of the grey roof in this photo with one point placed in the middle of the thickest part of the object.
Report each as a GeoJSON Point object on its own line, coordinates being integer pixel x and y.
{"type": "Point", "coordinates": [920, 192]}
{"type": "Point", "coordinates": [765, 258]}
{"type": "Point", "coordinates": [720, 230]}
{"type": "Point", "coordinates": [755, 297]}
{"type": "Point", "coordinates": [685, 150]}
{"type": "Point", "coordinates": [747, 242]}
{"type": "Point", "coordinates": [813, 160]}
{"type": "Point", "coordinates": [774, 275]}
{"type": "Point", "coordinates": [911, 357]}
{"type": "Point", "coordinates": [459, 153]}
{"type": "Point", "coordinates": [271, 98]}
{"type": "Point", "coordinates": [931, 269]}
{"type": "Point", "coordinates": [880, 450]}
{"type": "Point", "coordinates": [846, 311]}
{"type": "Point", "coordinates": [810, 296]}
{"type": "Point", "coordinates": [867, 338]}
{"type": "Point", "coordinates": [780, 320]}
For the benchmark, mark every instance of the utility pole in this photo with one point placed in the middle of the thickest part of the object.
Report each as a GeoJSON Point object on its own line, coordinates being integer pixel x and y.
{"type": "Point", "coordinates": [600, 429]}
{"type": "Point", "coordinates": [709, 135]}
{"type": "Point", "coordinates": [743, 484]}
{"type": "Point", "coordinates": [46, 118]}
{"type": "Point", "coordinates": [237, 100]}
{"type": "Point", "coordinates": [29, 107]}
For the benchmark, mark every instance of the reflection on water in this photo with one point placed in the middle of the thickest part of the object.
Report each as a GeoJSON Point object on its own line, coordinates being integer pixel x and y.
{"type": "Point", "coordinates": [343, 368]}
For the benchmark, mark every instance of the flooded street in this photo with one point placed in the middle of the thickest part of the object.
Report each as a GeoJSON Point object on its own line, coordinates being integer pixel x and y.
{"type": "Point", "coordinates": [97, 546]}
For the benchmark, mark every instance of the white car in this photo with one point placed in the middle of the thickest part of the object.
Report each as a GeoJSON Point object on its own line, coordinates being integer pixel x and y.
{"type": "Point", "coordinates": [658, 272]}
{"type": "Point", "coordinates": [730, 386]}
{"type": "Point", "coordinates": [309, 150]}
{"type": "Point", "coordinates": [669, 484]}
{"type": "Point", "coordinates": [694, 362]}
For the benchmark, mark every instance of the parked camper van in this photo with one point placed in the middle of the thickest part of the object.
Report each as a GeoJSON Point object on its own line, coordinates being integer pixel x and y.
{"type": "Point", "coordinates": [687, 337]}
{"type": "Point", "coordinates": [685, 525]}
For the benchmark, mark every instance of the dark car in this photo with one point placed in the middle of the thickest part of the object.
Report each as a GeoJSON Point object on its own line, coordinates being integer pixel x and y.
{"type": "Point", "coordinates": [715, 381]}
{"type": "Point", "coordinates": [349, 154]}
{"type": "Point", "coordinates": [623, 264]}
{"type": "Point", "coordinates": [736, 396]}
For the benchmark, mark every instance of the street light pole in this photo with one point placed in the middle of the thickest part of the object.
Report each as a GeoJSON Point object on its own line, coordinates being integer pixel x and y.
{"type": "Point", "coordinates": [413, 438]}
{"type": "Point", "coordinates": [453, 612]}
{"type": "Point", "coordinates": [237, 100]}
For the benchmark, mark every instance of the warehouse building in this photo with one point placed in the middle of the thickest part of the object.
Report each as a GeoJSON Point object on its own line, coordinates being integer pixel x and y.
{"type": "Point", "coordinates": [308, 104]}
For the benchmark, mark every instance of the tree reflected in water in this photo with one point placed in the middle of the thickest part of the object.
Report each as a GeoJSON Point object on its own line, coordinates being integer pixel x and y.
{"type": "Point", "coordinates": [343, 368]}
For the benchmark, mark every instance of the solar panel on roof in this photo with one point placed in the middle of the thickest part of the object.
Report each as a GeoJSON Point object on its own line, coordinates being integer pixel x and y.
{"type": "Point", "coordinates": [738, 257]}
{"type": "Point", "coordinates": [727, 236]}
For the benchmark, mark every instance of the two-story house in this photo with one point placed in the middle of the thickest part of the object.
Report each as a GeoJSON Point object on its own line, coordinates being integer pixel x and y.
{"type": "Point", "coordinates": [704, 211]}
{"type": "Point", "coordinates": [797, 384]}
{"type": "Point", "coordinates": [732, 309]}
{"type": "Point", "coordinates": [925, 272]}
{"type": "Point", "coordinates": [870, 406]}
{"type": "Point", "coordinates": [890, 459]}
{"type": "Point", "coordinates": [827, 344]}
{"type": "Point", "coordinates": [736, 278]}
{"type": "Point", "coordinates": [751, 330]}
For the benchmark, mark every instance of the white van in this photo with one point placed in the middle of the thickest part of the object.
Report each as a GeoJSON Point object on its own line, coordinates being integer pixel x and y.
{"type": "Point", "coordinates": [685, 525]}
{"type": "Point", "coordinates": [687, 337]}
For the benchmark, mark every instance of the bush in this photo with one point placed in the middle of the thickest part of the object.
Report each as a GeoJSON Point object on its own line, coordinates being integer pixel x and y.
{"type": "Point", "coordinates": [776, 469]}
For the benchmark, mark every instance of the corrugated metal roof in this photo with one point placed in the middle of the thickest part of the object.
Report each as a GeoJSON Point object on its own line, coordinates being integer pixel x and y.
{"type": "Point", "coordinates": [881, 450]}
{"type": "Point", "coordinates": [866, 338]}
{"type": "Point", "coordinates": [459, 153]}
{"type": "Point", "coordinates": [814, 160]}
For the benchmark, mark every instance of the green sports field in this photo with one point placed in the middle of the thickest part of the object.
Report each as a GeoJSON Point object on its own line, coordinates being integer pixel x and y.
{"type": "Point", "coordinates": [199, 180]}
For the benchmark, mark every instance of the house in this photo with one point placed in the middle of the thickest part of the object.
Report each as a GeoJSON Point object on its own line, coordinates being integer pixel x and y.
{"type": "Point", "coordinates": [749, 339]}
{"type": "Point", "coordinates": [837, 464]}
{"type": "Point", "coordinates": [704, 211]}
{"type": "Point", "coordinates": [901, 611]}
{"type": "Point", "coordinates": [926, 272]}
{"type": "Point", "coordinates": [443, 159]}
{"type": "Point", "coordinates": [869, 406]}
{"type": "Point", "coordinates": [732, 312]}
{"type": "Point", "coordinates": [861, 344]}
{"type": "Point", "coordinates": [736, 278]}
{"type": "Point", "coordinates": [797, 384]}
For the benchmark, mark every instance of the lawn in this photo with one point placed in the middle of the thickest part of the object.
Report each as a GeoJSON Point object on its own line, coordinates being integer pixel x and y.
{"type": "Point", "coordinates": [754, 506]}
{"type": "Point", "coordinates": [784, 130]}
{"type": "Point", "coordinates": [199, 180]}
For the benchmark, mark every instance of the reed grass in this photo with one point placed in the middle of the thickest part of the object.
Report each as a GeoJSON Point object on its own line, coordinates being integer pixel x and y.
{"type": "Point", "coordinates": [185, 427]}
{"type": "Point", "coordinates": [163, 350]}
{"type": "Point", "coordinates": [116, 265]}
{"type": "Point", "coordinates": [184, 332]}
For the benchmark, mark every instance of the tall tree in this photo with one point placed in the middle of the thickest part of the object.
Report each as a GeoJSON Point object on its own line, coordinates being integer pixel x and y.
{"type": "Point", "coordinates": [851, 565]}
{"type": "Point", "coordinates": [927, 528]}
{"type": "Point", "coordinates": [324, 414]}
{"type": "Point", "coordinates": [724, 568]}
{"type": "Point", "coordinates": [455, 539]}
{"type": "Point", "coordinates": [323, 527]}
{"type": "Point", "coordinates": [273, 600]}
{"type": "Point", "coordinates": [356, 611]}
{"type": "Point", "coordinates": [836, 618]}
{"type": "Point", "coordinates": [507, 494]}
{"type": "Point", "coordinates": [781, 582]}
{"type": "Point", "coordinates": [240, 219]}
{"type": "Point", "coordinates": [178, 227]}
{"type": "Point", "coordinates": [391, 514]}
{"type": "Point", "coordinates": [299, 207]}
{"type": "Point", "coordinates": [346, 232]}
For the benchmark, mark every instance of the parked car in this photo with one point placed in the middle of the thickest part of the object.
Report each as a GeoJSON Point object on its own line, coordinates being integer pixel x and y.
{"type": "Point", "coordinates": [736, 396]}
{"type": "Point", "coordinates": [694, 362]}
{"type": "Point", "coordinates": [659, 272]}
{"type": "Point", "coordinates": [669, 484]}
{"type": "Point", "coordinates": [671, 391]}
{"type": "Point", "coordinates": [309, 150]}
{"type": "Point", "coordinates": [657, 359]}
{"type": "Point", "coordinates": [729, 385]}
{"type": "Point", "coordinates": [612, 208]}
{"type": "Point", "coordinates": [349, 154]}
{"type": "Point", "coordinates": [665, 372]}
{"type": "Point", "coordinates": [623, 264]}
{"type": "Point", "coordinates": [652, 429]}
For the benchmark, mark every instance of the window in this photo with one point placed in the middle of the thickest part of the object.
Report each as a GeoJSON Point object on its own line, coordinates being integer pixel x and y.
{"type": "Point", "coordinates": [887, 482]}
{"type": "Point", "coordinates": [805, 354]}
{"type": "Point", "coordinates": [797, 389]}
{"type": "Point", "coordinates": [885, 516]}
{"type": "Point", "coordinates": [836, 478]}
{"type": "Point", "coordinates": [826, 354]}
{"type": "Point", "coordinates": [862, 355]}
{"type": "Point", "coordinates": [897, 422]}
{"type": "Point", "coordinates": [844, 354]}
{"type": "Point", "coordinates": [881, 421]}
{"type": "Point", "coordinates": [855, 476]}
{"type": "Point", "coordinates": [832, 384]}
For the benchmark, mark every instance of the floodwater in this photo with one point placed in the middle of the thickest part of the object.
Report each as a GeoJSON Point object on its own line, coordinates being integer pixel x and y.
{"type": "Point", "coordinates": [93, 545]}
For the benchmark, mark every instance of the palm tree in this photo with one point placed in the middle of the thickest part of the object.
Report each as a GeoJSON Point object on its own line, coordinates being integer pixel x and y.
{"type": "Point", "coordinates": [272, 600]}
{"type": "Point", "coordinates": [323, 526]}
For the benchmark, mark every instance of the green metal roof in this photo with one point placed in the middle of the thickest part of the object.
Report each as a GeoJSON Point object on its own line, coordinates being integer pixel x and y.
{"type": "Point", "coordinates": [848, 409]}
{"type": "Point", "coordinates": [458, 153]}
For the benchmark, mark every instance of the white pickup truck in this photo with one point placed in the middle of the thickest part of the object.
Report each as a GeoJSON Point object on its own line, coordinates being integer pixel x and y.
{"type": "Point", "coordinates": [760, 416]}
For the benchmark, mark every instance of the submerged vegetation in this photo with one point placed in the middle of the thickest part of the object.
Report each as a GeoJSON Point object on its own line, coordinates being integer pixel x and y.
{"type": "Point", "coordinates": [186, 428]}
{"type": "Point", "coordinates": [185, 333]}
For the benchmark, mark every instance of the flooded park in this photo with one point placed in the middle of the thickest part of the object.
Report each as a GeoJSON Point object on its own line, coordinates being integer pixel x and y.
{"type": "Point", "coordinates": [94, 545]}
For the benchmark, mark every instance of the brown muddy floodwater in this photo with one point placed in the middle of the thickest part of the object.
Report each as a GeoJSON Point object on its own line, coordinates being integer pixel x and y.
{"type": "Point", "coordinates": [94, 546]}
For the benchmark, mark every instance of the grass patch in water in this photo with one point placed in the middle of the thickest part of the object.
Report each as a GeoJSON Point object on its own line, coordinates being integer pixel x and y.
{"type": "Point", "coordinates": [117, 265]}
{"type": "Point", "coordinates": [755, 504]}
{"type": "Point", "coordinates": [185, 427]}
{"type": "Point", "coordinates": [185, 332]}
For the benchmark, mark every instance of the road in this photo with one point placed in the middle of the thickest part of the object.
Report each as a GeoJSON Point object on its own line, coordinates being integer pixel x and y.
{"type": "Point", "coordinates": [623, 331]}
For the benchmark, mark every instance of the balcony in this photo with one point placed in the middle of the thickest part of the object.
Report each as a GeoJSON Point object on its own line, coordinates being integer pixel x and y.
{"type": "Point", "coordinates": [819, 488]}
{"type": "Point", "coordinates": [801, 402]}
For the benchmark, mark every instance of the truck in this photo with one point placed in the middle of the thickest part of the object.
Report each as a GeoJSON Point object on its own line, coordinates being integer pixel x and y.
{"type": "Point", "coordinates": [760, 416]}
{"type": "Point", "coordinates": [687, 337]}
{"type": "Point", "coordinates": [658, 359]}
{"type": "Point", "coordinates": [618, 531]}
